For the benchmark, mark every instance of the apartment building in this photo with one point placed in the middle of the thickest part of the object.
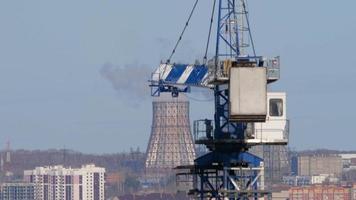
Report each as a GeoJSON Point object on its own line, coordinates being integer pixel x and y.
{"type": "Point", "coordinates": [321, 192]}
{"type": "Point", "coordinates": [17, 191]}
{"type": "Point", "coordinates": [58, 182]}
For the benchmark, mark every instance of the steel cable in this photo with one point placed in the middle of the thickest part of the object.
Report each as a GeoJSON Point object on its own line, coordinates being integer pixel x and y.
{"type": "Point", "coordinates": [210, 28]}
{"type": "Point", "coordinates": [184, 29]}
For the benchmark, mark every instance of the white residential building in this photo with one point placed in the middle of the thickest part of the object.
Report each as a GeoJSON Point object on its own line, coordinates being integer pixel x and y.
{"type": "Point", "coordinates": [57, 182]}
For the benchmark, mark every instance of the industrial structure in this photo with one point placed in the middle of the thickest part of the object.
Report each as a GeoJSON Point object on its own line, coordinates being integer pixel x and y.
{"type": "Point", "coordinates": [5, 161]}
{"type": "Point", "coordinates": [171, 143]}
{"type": "Point", "coordinates": [246, 113]}
{"type": "Point", "coordinates": [276, 162]}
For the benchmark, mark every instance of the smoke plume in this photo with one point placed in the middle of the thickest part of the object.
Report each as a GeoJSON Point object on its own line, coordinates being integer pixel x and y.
{"type": "Point", "coordinates": [130, 81]}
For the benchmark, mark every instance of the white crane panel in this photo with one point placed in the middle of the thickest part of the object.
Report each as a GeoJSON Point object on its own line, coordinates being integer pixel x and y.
{"type": "Point", "coordinates": [276, 128]}
{"type": "Point", "coordinates": [248, 94]}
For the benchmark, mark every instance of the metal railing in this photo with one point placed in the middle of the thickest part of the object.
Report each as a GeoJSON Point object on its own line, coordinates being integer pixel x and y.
{"type": "Point", "coordinates": [273, 68]}
{"type": "Point", "coordinates": [261, 133]}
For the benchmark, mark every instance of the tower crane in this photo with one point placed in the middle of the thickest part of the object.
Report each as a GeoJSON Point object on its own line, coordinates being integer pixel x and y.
{"type": "Point", "coordinates": [244, 110]}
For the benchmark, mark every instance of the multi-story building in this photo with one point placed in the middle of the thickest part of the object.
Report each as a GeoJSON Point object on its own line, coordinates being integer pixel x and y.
{"type": "Point", "coordinates": [311, 165]}
{"type": "Point", "coordinates": [17, 191]}
{"type": "Point", "coordinates": [321, 192]}
{"type": "Point", "coordinates": [57, 182]}
{"type": "Point", "coordinates": [297, 180]}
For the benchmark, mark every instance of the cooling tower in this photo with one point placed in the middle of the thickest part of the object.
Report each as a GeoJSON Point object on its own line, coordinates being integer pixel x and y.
{"type": "Point", "coordinates": [171, 143]}
{"type": "Point", "coordinates": [276, 162]}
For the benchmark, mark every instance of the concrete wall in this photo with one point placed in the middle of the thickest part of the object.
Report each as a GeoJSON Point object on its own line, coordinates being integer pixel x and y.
{"type": "Point", "coordinates": [319, 164]}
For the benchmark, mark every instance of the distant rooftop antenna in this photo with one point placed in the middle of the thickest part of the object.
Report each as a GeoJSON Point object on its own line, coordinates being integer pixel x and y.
{"type": "Point", "coordinates": [8, 152]}
{"type": "Point", "coordinates": [64, 156]}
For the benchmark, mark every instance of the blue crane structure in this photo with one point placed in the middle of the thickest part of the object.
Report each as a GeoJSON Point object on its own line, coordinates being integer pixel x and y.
{"type": "Point", "coordinates": [228, 170]}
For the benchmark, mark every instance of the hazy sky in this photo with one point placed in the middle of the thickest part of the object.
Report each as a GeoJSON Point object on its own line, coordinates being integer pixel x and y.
{"type": "Point", "coordinates": [52, 54]}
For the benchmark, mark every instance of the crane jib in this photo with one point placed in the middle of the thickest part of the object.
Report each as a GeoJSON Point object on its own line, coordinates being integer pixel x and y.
{"type": "Point", "coordinates": [182, 74]}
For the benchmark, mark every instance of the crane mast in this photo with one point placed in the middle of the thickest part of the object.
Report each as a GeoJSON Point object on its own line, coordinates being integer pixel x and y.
{"type": "Point", "coordinates": [230, 44]}
{"type": "Point", "coordinates": [239, 80]}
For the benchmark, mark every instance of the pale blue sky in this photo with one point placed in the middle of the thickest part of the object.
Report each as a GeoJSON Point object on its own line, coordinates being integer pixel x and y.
{"type": "Point", "coordinates": [51, 53]}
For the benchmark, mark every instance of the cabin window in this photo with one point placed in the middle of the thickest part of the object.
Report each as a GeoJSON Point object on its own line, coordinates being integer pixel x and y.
{"type": "Point", "coordinates": [275, 107]}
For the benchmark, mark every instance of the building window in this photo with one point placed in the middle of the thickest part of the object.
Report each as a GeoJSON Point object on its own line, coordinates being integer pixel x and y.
{"type": "Point", "coordinates": [275, 107]}
{"type": "Point", "coordinates": [68, 179]}
{"type": "Point", "coordinates": [80, 192]}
